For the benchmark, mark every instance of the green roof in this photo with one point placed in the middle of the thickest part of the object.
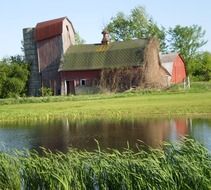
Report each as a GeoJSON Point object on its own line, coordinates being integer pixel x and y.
{"type": "Point", "coordinates": [97, 56]}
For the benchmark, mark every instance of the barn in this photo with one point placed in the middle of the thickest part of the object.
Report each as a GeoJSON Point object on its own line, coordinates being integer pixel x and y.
{"type": "Point", "coordinates": [82, 66]}
{"type": "Point", "coordinates": [53, 38]}
{"type": "Point", "coordinates": [175, 65]}
{"type": "Point", "coordinates": [57, 63]}
{"type": "Point", "coordinates": [44, 46]}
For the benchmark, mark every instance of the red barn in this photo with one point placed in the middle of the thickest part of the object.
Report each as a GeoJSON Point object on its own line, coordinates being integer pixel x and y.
{"type": "Point", "coordinates": [66, 68]}
{"type": "Point", "coordinates": [82, 65]}
{"type": "Point", "coordinates": [175, 65]}
{"type": "Point", "coordinates": [128, 64]}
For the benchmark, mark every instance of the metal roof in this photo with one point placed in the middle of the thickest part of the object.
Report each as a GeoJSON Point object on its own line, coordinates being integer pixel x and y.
{"type": "Point", "coordinates": [167, 61]}
{"type": "Point", "coordinates": [170, 57]}
{"type": "Point", "coordinates": [50, 28]}
{"type": "Point", "coordinates": [98, 56]}
{"type": "Point", "coordinates": [168, 66]}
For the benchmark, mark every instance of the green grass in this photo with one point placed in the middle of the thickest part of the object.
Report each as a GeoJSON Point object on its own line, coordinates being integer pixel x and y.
{"type": "Point", "coordinates": [199, 87]}
{"type": "Point", "coordinates": [183, 166]}
{"type": "Point", "coordinates": [117, 106]}
{"type": "Point", "coordinates": [195, 87]}
{"type": "Point", "coordinates": [173, 102]}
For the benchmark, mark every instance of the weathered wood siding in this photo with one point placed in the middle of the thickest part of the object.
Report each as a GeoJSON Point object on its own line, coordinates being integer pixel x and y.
{"type": "Point", "coordinates": [87, 74]}
{"type": "Point", "coordinates": [91, 76]}
{"type": "Point", "coordinates": [49, 53]}
{"type": "Point", "coordinates": [49, 56]}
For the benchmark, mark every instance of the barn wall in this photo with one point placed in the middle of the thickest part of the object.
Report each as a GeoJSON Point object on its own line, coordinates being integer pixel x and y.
{"type": "Point", "coordinates": [49, 56]}
{"type": "Point", "coordinates": [92, 76]}
{"type": "Point", "coordinates": [178, 73]}
{"type": "Point", "coordinates": [68, 35]}
{"type": "Point", "coordinates": [71, 75]}
{"type": "Point", "coordinates": [30, 49]}
{"type": "Point", "coordinates": [49, 52]}
{"type": "Point", "coordinates": [86, 90]}
{"type": "Point", "coordinates": [120, 79]}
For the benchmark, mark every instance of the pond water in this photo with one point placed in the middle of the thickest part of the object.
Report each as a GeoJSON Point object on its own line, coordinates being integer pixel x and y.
{"type": "Point", "coordinates": [62, 134]}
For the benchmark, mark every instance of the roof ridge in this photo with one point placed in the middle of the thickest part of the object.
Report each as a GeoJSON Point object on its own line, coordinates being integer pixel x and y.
{"type": "Point", "coordinates": [50, 28]}
{"type": "Point", "coordinates": [51, 20]}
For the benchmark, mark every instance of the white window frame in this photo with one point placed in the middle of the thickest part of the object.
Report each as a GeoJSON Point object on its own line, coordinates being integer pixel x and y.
{"type": "Point", "coordinates": [81, 82]}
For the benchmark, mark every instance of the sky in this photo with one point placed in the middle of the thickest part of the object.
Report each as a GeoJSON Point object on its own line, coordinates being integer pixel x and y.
{"type": "Point", "coordinates": [90, 17]}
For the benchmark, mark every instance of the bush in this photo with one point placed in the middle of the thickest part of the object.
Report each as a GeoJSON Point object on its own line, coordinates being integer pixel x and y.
{"type": "Point", "coordinates": [12, 87]}
{"type": "Point", "coordinates": [14, 73]}
{"type": "Point", "coordinates": [44, 91]}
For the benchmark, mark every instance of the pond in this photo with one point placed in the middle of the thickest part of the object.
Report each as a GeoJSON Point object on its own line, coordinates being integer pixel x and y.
{"type": "Point", "coordinates": [61, 134]}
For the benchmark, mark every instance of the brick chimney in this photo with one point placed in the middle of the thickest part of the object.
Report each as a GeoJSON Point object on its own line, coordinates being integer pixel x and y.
{"type": "Point", "coordinates": [106, 38]}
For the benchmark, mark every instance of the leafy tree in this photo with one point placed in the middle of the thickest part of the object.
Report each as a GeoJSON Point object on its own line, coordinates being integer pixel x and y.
{"type": "Point", "coordinates": [12, 87]}
{"type": "Point", "coordinates": [3, 76]}
{"type": "Point", "coordinates": [78, 39]}
{"type": "Point", "coordinates": [136, 25]}
{"type": "Point", "coordinates": [14, 75]}
{"type": "Point", "coordinates": [187, 41]}
{"type": "Point", "coordinates": [201, 67]}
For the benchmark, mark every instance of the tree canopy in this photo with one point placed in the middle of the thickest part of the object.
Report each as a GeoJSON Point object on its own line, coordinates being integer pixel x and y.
{"type": "Point", "coordinates": [78, 39]}
{"type": "Point", "coordinates": [200, 66]}
{"type": "Point", "coordinates": [136, 25]}
{"type": "Point", "coordinates": [14, 75]}
{"type": "Point", "coordinates": [186, 40]}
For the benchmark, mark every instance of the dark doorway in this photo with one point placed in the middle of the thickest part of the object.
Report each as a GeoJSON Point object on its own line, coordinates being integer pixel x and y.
{"type": "Point", "coordinates": [70, 87]}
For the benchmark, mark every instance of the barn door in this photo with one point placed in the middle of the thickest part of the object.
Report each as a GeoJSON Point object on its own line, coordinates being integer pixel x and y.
{"type": "Point", "coordinates": [70, 87]}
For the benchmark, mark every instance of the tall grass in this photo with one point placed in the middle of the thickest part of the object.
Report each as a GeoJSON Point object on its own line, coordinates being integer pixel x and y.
{"type": "Point", "coordinates": [9, 172]}
{"type": "Point", "coordinates": [183, 166]}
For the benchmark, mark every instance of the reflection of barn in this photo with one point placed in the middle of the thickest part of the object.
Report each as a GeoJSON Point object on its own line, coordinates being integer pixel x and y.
{"type": "Point", "coordinates": [60, 134]}
{"type": "Point", "coordinates": [66, 68]}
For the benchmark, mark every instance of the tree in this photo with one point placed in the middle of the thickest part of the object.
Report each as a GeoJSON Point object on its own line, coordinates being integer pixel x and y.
{"type": "Point", "coordinates": [14, 73]}
{"type": "Point", "coordinates": [78, 39]}
{"type": "Point", "coordinates": [187, 41]}
{"type": "Point", "coordinates": [201, 67]}
{"type": "Point", "coordinates": [137, 25]}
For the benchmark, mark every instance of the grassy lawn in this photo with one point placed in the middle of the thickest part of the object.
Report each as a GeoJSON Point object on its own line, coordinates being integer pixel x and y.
{"type": "Point", "coordinates": [113, 106]}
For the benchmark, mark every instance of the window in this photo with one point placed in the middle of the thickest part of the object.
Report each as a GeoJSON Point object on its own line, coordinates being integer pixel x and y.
{"type": "Point", "coordinates": [83, 82]}
{"type": "Point", "coordinates": [68, 33]}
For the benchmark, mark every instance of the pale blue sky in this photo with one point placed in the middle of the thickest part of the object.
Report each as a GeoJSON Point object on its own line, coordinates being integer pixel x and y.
{"type": "Point", "coordinates": [89, 17]}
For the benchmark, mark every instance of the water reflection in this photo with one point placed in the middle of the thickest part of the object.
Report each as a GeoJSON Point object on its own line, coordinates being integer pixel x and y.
{"type": "Point", "coordinates": [62, 134]}
{"type": "Point", "coordinates": [201, 130]}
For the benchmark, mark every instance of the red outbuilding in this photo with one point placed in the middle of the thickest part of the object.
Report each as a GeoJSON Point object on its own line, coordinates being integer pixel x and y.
{"type": "Point", "coordinates": [175, 65]}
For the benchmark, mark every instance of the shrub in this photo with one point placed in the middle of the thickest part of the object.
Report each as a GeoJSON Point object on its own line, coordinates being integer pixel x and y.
{"type": "Point", "coordinates": [44, 91]}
